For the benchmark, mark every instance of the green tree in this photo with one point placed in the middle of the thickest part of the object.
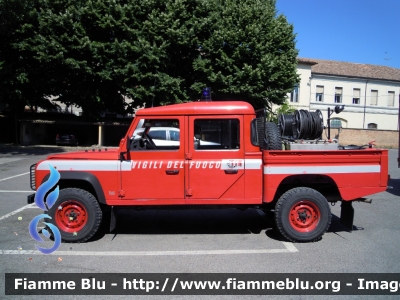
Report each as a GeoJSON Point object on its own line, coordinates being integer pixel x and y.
{"type": "Point", "coordinates": [22, 79]}
{"type": "Point", "coordinates": [249, 53]}
{"type": "Point", "coordinates": [283, 109]}
{"type": "Point", "coordinates": [95, 53]}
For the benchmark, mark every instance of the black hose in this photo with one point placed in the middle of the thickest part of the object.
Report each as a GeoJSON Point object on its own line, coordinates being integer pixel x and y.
{"type": "Point", "coordinates": [307, 125]}
{"type": "Point", "coordinates": [285, 124]}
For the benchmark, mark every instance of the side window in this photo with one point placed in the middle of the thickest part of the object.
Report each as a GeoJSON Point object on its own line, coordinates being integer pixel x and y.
{"type": "Point", "coordinates": [152, 134]}
{"type": "Point", "coordinates": [216, 134]}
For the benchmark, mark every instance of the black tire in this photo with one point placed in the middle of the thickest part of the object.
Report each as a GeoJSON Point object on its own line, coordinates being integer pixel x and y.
{"type": "Point", "coordinates": [77, 215]}
{"type": "Point", "coordinates": [272, 136]}
{"type": "Point", "coordinates": [302, 215]}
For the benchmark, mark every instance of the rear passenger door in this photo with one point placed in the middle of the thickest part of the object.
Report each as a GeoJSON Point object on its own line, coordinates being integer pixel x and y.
{"type": "Point", "coordinates": [215, 160]}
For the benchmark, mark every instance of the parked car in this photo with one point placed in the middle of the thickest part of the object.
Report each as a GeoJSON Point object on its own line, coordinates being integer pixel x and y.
{"type": "Point", "coordinates": [162, 136]}
{"type": "Point", "coordinates": [66, 139]}
{"type": "Point", "coordinates": [169, 136]}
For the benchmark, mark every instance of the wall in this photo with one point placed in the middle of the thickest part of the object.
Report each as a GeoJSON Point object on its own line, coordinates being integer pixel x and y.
{"type": "Point", "coordinates": [354, 115]}
{"type": "Point", "coordinates": [304, 87]}
{"type": "Point", "coordinates": [86, 133]}
{"type": "Point", "coordinates": [382, 138]}
{"type": "Point", "coordinates": [358, 115]}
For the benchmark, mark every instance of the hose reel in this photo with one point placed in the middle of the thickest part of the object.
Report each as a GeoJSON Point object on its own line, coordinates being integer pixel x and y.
{"type": "Point", "coordinates": [303, 124]}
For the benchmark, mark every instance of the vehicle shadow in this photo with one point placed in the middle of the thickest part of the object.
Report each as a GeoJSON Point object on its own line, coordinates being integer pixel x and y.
{"type": "Point", "coordinates": [394, 187]}
{"type": "Point", "coordinates": [202, 221]}
{"type": "Point", "coordinates": [336, 227]}
{"type": "Point", "coordinates": [186, 221]}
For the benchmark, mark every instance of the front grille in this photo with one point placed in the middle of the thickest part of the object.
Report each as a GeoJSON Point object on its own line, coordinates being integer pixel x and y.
{"type": "Point", "coordinates": [32, 177]}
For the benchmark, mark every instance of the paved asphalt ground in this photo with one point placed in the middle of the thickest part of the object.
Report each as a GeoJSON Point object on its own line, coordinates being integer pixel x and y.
{"type": "Point", "coordinates": [189, 241]}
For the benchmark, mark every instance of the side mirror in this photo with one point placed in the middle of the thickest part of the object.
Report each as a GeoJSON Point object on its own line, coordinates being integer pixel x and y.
{"type": "Point", "coordinates": [127, 142]}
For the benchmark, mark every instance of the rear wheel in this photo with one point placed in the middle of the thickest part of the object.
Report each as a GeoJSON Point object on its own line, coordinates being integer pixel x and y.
{"type": "Point", "coordinates": [77, 215]}
{"type": "Point", "coordinates": [302, 215]}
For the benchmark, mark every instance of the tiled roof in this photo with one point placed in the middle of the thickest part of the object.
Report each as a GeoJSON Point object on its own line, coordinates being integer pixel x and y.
{"type": "Point", "coordinates": [340, 68]}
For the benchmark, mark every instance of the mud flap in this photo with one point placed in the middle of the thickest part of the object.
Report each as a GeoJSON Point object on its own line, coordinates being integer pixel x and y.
{"type": "Point", "coordinates": [31, 199]}
{"type": "Point", "coordinates": [113, 219]}
{"type": "Point", "coordinates": [347, 215]}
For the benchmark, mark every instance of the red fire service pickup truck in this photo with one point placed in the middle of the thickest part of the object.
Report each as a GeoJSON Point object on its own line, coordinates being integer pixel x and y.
{"type": "Point", "coordinates": [219, 154]}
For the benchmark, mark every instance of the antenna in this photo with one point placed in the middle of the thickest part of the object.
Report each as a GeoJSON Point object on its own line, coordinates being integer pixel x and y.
{"type": "Point", "coordinates": [386, 58]}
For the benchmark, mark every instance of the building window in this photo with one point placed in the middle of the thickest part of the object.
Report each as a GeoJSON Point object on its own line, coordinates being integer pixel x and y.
{"type": "Point", "coordinates": [336, 123]}
{"type": "Point", "coordinates": [294, 95]}
{"type": "Point", "coordinates": [390, 98]}
{"type": "Point", "coordinates": [372, 126]}
{"type": "Point", "coordinates": [319, 95]}
{"type": "Point", "coordinates": [338, 95]}
{"type": "Point", "coordinates": [374, 97]}
{"type": "Point", "coordinates": [356, 96]}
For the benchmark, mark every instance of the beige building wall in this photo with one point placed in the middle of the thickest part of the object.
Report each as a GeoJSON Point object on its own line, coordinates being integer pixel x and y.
{"type": "Point", "coordinates": [304, 87]}
{"type": "Point", "coordinates": [363, 113]}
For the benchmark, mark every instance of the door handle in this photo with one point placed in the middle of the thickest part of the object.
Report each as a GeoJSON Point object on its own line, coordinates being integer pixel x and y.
{"type": "Point", "coordinates": [231, 171]}
{"type": "Point", "coordinates": [172, 172]}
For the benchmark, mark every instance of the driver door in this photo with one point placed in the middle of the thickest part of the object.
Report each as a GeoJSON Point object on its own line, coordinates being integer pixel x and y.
{"type": "Point", "coordinates": [155, 169]}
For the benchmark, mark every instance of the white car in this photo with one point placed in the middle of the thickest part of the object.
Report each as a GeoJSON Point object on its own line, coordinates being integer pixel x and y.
{"type": "Point", "coordinates": [161, 136]}
{"type": "Point", "coordinates": [168, 136]}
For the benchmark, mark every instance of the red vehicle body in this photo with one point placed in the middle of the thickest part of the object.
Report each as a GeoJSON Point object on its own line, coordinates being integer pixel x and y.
{"type": "Point", "coordinates": [222, 160]}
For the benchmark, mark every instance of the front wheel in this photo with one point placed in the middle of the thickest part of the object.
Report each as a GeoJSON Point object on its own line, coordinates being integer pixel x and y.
{"type": "Point", "coordinates": [77, 215]}
{"type": "Point", "coordinates": [302, 215]}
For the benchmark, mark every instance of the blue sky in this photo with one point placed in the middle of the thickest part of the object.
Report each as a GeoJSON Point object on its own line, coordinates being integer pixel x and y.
{"type": "Point", "coordinates": [359, 31]}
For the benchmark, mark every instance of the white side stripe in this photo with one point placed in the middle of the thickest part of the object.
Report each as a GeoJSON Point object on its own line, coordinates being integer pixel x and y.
{"type": "Point", "coordinates": [80, 165]}
{"type": "Point", "coordinates": [253, 164]}
{"type": "Point", "coordinates": [115, 165]}
{"type": "Point", "coordinates": [322, 169]}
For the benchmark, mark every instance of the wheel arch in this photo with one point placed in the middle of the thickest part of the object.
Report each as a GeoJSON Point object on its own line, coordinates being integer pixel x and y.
{"type": "Point", "coordinates": [81, 180]}
{"type": "Point", "coordinates": [321, 183]}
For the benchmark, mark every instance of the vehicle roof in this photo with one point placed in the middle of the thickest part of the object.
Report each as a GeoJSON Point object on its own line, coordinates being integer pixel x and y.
{"type": "Point", "coordinates": [200, 108]}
